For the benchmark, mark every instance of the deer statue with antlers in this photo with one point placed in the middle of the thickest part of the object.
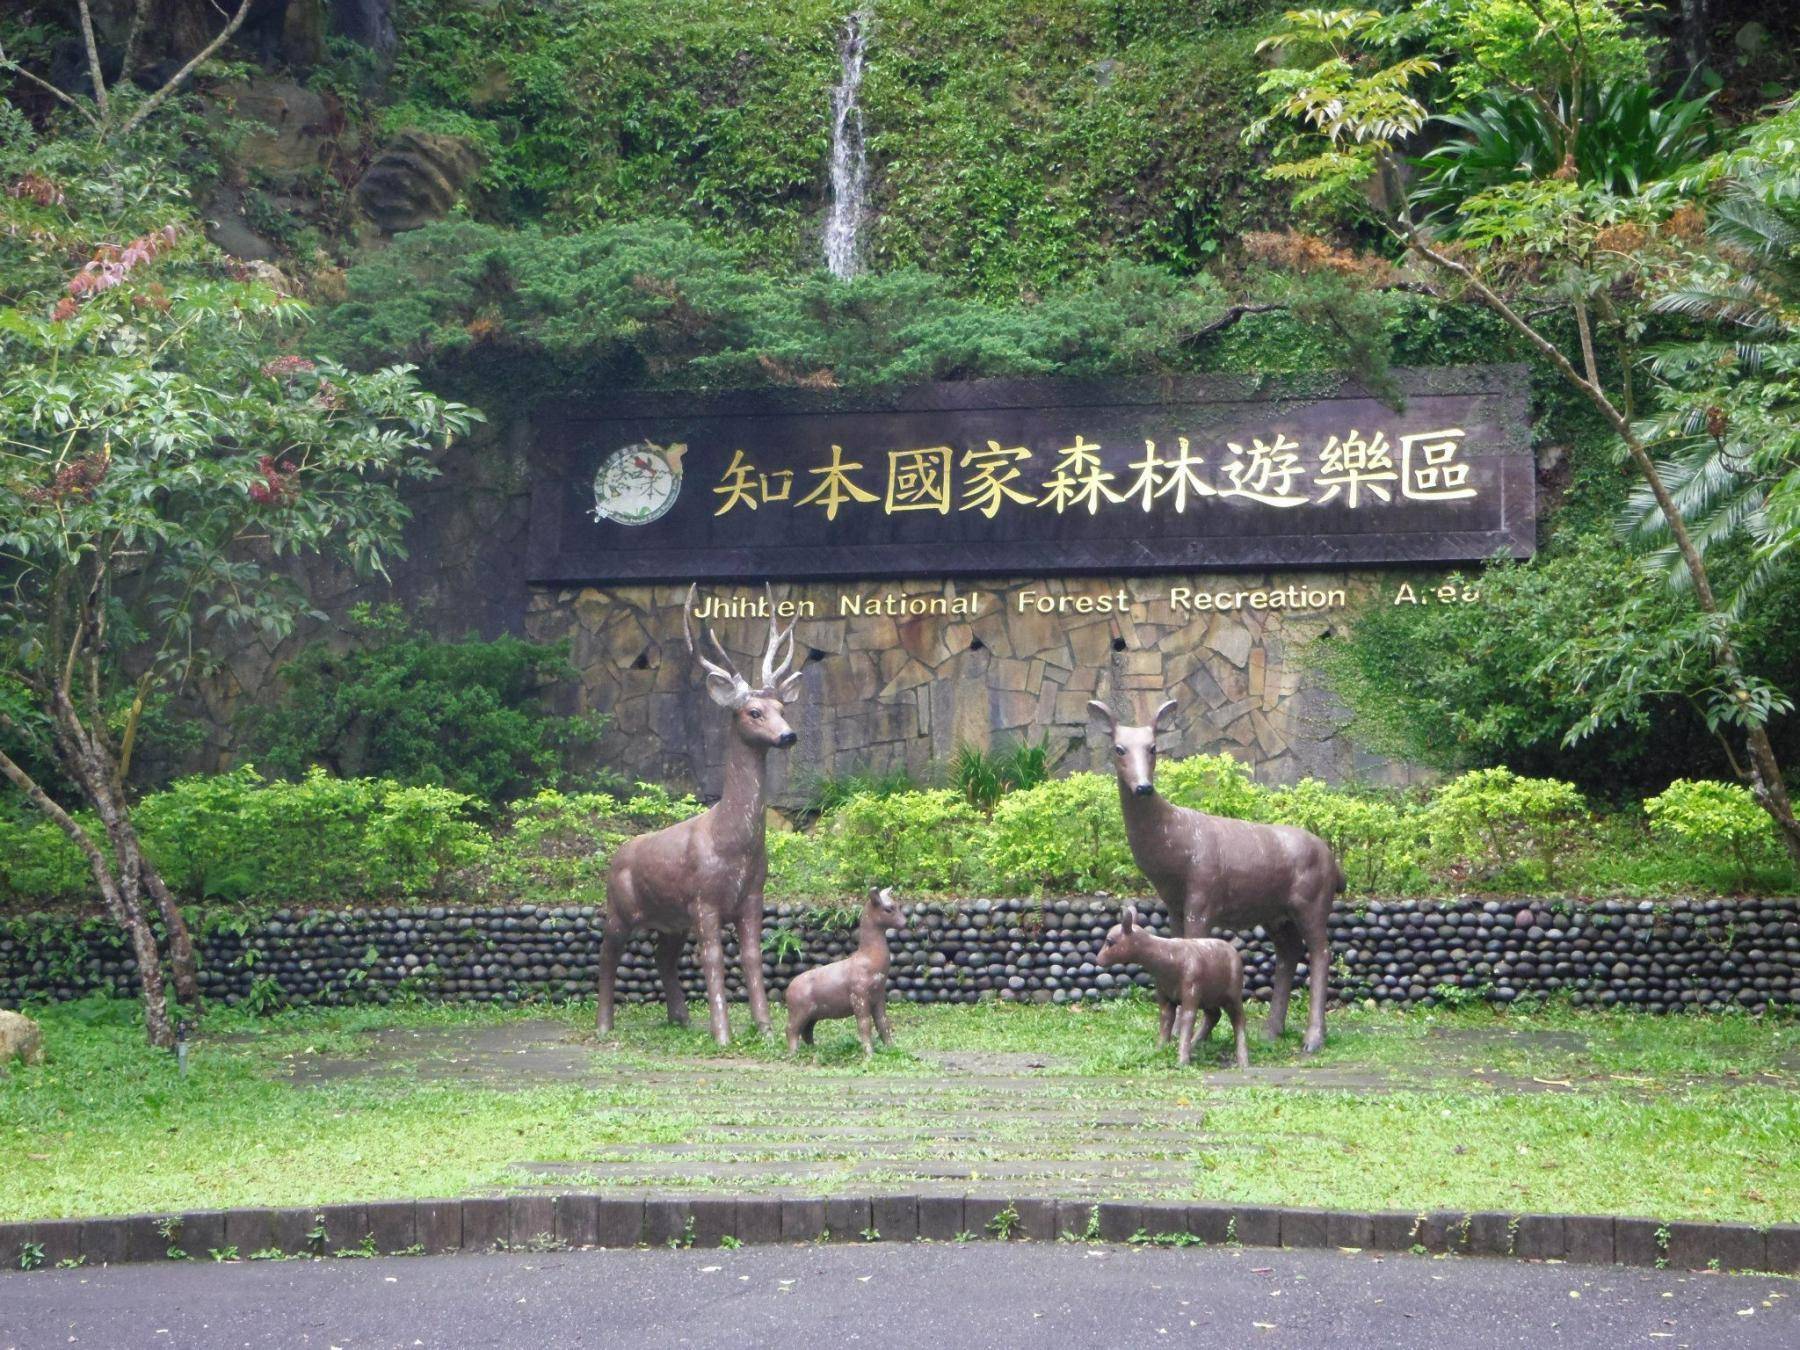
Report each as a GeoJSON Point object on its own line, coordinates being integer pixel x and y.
{"type": "Point", "coordinates": [702, 874]}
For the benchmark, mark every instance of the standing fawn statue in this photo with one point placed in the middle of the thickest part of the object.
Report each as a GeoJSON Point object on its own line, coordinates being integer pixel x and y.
{"type": "Point", "coordinates": [1191, 974]}
{"type": "Point", "coordinates": [703, 873]}
{"type": "Point", "coordinates": [854, 987]}
{"type": "Point", "coordinates": [1212, 870]}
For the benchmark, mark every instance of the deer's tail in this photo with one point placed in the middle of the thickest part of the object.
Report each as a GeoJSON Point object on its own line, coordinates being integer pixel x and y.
{"type": "Point", "coordinates": [1340, 885]}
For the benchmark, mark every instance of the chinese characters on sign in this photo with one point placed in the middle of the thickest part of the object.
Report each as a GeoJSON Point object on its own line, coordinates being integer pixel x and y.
{"type": "Point", "coordinates": [1355, 468]}
{"type": "Point", "coordinates": [1033, 477]}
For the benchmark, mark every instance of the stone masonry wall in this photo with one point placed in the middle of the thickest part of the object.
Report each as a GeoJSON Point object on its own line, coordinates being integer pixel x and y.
{"type": "Point", "coordinates": [1659, 958]}
{"type": "Point", "coordinates": [883, 692]}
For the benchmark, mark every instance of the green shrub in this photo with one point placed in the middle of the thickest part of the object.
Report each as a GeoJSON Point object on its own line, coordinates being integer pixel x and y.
{"type": "Point", "coordinates": [1492, 820]}
{"type": "Point", "coordinates": [236, 837]}
{"type": "Point", "coordinates": [826, 792]}
{"type": "Point", "coordinates": [39, 867]}
{"type": "Point", "coordinates": [920, 841]}
{"type": "Point", "coordinates": [1066, 834]}
{"type": "Point", "coordinates": [984, 776]}
{"type": "Point", "coordinates": [553, 849]}
{"type": "Point", "coordinates": [805, 865]}
{"type": "Point", "coordinates": [1216, 784]}
{"type": "Point", "coordinates": [1378, 841]}
{"type": "Point", "coordinates": [464, 715]}
{"type": "Point", "coordinates": [1717, 819]}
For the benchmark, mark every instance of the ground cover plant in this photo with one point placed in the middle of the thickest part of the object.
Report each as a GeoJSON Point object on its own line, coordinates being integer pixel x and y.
{"type": "Point", "coordinates": [1462, 1109]}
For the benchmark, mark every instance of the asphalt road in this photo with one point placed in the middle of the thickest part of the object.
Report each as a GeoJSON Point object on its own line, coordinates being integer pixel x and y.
{"type": "Point", "coordinates": [983, 1294]}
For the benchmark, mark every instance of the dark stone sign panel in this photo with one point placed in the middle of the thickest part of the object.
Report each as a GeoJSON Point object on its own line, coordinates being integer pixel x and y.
{"type": "Point", "coordinates": [995, 477]}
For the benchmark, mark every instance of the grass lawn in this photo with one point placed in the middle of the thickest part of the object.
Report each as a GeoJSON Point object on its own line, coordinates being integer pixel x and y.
{"type": "Point", "coordinates": [1686, 1117]}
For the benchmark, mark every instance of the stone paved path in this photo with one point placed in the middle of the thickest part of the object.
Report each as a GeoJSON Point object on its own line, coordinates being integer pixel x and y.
{"type": "Point", "coordinates": [955, 1118]}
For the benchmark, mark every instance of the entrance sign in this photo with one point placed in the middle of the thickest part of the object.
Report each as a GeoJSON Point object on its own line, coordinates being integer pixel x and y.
{"type": "Point", "coordinates": [996, 477]}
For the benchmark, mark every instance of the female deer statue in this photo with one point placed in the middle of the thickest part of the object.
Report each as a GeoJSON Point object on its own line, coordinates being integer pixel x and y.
{"type": "Point", "coordinates": [1233, 873]}
{"type": "Point", "coordinates": [701, 874]}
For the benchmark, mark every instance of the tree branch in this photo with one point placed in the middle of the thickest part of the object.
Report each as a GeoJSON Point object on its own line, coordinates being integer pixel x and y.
{"type": "Point", "coordinates": [95, 74]}
{"type": "Point", "coordinates": [176, 80]}
{"type": "Point", "coordinates": [7, 63]}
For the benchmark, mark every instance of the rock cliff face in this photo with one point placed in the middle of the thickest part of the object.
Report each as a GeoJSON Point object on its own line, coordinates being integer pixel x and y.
{"type": "Point", "coordinates": [415, 179]}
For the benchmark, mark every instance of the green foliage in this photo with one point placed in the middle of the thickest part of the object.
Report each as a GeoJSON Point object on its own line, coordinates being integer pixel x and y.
{"type": "Point", "coordinates": [1217, 784]}
{"type": "Point", "coordinates": [1495, 681]}
{"type": "Point", "coordinates": [554, 848]}
{"type": "Point", "coordinates": [236, 837]}
{"type": "Point", "coordinates": [465, 715]}
{"type": "Point", "coordinates": [1063, 835]}
{"type": "Point", "coordinates": [1726, 417]}
{"type": "Point", "coordinates": [1012, 148]}
{"type": "Point", "coordinates": [1633, 136]}
{"type": "Point", "coordinates": [1379, 840]}
{"type": "Point", "coordinates": [1718, 819]}
{"type": "Point", "coordinates": [653, 300]}
{"type": "Point", "coordinates": [922, 841]}
{"type": "Point", "coordinates": [984, 776]}
{"type": "Point", "coordinates": [1494, 820]}
{"type": "Point", "coordinates": [827, 792]}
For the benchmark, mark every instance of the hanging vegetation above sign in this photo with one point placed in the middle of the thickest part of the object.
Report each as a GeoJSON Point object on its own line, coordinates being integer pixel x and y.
{"type": "Point", "coordinates": [997, 477]}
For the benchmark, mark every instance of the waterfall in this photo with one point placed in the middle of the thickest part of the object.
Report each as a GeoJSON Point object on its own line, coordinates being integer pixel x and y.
{"type": "Point", "coordinates": [849, 155]}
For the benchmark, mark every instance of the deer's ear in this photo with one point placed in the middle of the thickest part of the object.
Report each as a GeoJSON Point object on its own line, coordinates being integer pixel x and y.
{"type": "Point", "coordinates": [727, 691]}
{"type": "Point", "coordinates": [1098, 709]}
{"type": "Point", "coordinates": [1167, 710]}
{"type": "Point", "coordinates": [1130, 918]}
{"type": "Point", "coordinates": [789, 689]}
{"type": "Point", "coordinates": [873, 895]}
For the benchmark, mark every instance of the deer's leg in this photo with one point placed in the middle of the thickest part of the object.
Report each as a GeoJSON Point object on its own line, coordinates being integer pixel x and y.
{"type": "Point", "coordinates": [612, 947]}
{"type": "Point", "coordinates": [1236, 1009]}
{"type": "Point", "coordinates": [1165, 1020]}
{"type": "Point", "coordinates": [881, 1022]}
{"type": "Point", "coordinates": [712, 965]}
{"type": "Point", "coordinates": [1207, 1024]}
{"type": "Point", "coordinates": [750, 957]}
{"type": "Point", "coordinates": [1318, 975]}
{"type": "Point", "coordinates": [668, 965]}
{"type": "Point", "coordinates": [1184, 1035]}
{"type": "Point", "coordinates": [865, 1022]}
{"type": "Point", "coordinates": [1288, 950]}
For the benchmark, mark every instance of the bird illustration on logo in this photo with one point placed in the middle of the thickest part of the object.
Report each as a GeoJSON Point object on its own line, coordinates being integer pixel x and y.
{"type": "Point", "coordinates": [638, 483]}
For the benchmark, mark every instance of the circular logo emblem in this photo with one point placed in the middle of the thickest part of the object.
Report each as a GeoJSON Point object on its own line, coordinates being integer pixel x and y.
{"type": "Point", "coordinates": [638, 484]}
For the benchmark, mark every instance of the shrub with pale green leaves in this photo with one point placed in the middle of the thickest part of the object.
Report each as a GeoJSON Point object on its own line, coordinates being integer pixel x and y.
{"type": "Point", "coordinates": [1379, 841]}
{"type": "Point", "coordinates": [1216, 784]}
{"type": "Point", "coordinates": [920, 841]}
{"type": "Point", "coordinates": [806, 865]}
{"type": "Point", "coordinates": [1718, 819]}
{"type": "Point", "coordinates": [1063, 835]}
{"type": "Point", "coordinates": [1492, 820]}
{"type": "Point", "coordinates": [234, 836]}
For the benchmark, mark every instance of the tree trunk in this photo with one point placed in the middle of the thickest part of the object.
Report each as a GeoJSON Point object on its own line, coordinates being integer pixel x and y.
{"type": "Point", "coordinates": [121, 905]}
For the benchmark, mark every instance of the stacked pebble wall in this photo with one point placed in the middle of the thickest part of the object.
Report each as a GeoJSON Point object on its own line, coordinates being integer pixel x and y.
{"type": "Point", "coordinates": [1655, 957]}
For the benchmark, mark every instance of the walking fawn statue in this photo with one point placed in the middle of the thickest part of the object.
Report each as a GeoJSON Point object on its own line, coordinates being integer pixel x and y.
{"type": "Point", "coordinates": [854, 987]}
{"type": "Point", "coordinates": [1212, 870]}
{"type": "Point", "coordinates": [703, 873]}
{"type": "Point", "coordinates": [1192, 975]}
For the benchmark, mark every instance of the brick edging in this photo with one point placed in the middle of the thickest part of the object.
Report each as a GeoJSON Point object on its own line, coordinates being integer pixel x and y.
{"type": "Point", "coordinates": [576, 1219]}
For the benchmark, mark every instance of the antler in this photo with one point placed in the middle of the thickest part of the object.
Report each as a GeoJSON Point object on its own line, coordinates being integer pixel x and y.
{"type": "Point", "coordinates": [772, 673]}
{"type": "Point", "coordinates": [726, 673]}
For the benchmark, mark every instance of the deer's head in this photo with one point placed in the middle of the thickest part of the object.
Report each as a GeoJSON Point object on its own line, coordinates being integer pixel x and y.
{"type": "Point", "coordinates": [1133, 748]}
{"type": "Point", "coordinates": [884, 909]}
{"type": "Point", "coordinates": [1121, 942]}
{"type": "Point", "coordinates": [756, 714]}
